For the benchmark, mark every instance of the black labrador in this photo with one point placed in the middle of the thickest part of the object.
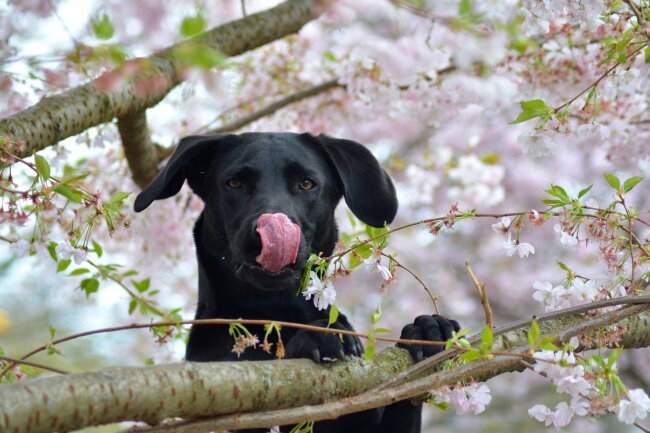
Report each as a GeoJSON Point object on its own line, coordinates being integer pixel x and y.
{"type": "Point", "coordinates": [269, 203]}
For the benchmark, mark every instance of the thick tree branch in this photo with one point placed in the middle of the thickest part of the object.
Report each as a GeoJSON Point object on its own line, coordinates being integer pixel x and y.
{"type": "Point", "coordinates": [57, 117]}
{"type": "Point", "coordinates": [387, 394]}
{"type": "Point", "coordinates": [140, 153]}
{"type": "Point", "coordinates": [192, 389]}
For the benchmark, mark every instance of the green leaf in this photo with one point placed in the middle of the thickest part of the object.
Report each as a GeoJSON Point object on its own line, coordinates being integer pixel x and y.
{"type": "Point", "coordinates": [524, 116]}
{"type": "Point", "coordinates": [355, 259]}
{"type": "Point", "coordinates": [465, 8]}
{"type": "Point", "coordinates": [563, 266]}
{"type": "Point", "coordinates": [98, 249]}
{"type": "Point", "coordinates": [51, 248]}
{"type": "Point", "coordinates": [334, 315]}
{"type": "Point", "coordinates": [533, 333]}
{"type": "Point", "coordinates": [613, 357]}
{"type": "Point", "coordinates": [530, 110]}
{"type": "Point", "coordinates": [598, 360]}
{"type": "Point", "coordinates": [78, 272]}
{"type": "Point", "coordinates": [103, 27]}
{"type": "Point", "coordinates": [613, 181]}
{"type": "Point", "coordinates": [486, 338]}
{"type": "Point", "coordinates": [376, 315]}
{"type": "Point", "coordinates": [52, 332]}
{"type": "Point", "coordinates": [646, 55]}
{"type": "Point", "coordinates": [118, 197]}
{"type": "Point", "coordinates": [471, 356]}
{"type": "Point", "coordinates": [533, 105]}
{"type": "Point", "coordinates": [193, 25]}
{"type": "Point", "coordinates": [631, 183]}
{"type": "Point", "coordinates": [560, 193]}
{"type": "Point", "coordinates": [370, 351]}
{"type": "Point", "coordinates": [543, 344]}
{"type": "Point", "coordinates": [89, 285]}
{"type": "Point", "coordinates": [142, 286]}
{"type": "Point", "coordinates": [68, 193]}
{"type": "Point", "coordinates": [198, 54]}
{"type": "Point", "coordinates": [42, 167]}
{"type": "Point", "coordinates": [63, 265]}
{"type": "Point", "coordinates": [132, 306]}
{"type": "Point", "coordinates": [584, 191]}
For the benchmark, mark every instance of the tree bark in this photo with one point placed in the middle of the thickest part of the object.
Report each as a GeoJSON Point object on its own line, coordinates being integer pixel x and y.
{"type": "Point", "coordinates": [61, 116]}
{"type": "Point", "coordinates": [191, 390]}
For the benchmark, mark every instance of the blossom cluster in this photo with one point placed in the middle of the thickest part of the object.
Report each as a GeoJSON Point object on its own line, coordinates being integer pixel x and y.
{"type": "Point", "coordinates": [585, 389]}
{"type": "Point", "coordinates": [472, 398]}
{"type": "Point", "coordinates": [559, 297]}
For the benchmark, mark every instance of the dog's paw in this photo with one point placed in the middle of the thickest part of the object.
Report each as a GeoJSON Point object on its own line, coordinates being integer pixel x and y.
{"type": "Point", "coordinates": [323, 347]}
{"type": "Point", "coordinates": [432, 328]}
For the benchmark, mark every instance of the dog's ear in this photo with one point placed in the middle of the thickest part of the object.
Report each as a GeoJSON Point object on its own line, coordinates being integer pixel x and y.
{"type": "Point", "coordinates": [367, 188]}
{"type": "Point", "coordinates": [190, 161]}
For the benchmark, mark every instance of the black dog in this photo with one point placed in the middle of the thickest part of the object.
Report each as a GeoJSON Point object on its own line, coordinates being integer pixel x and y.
{"type": "Point", "coordinates": [269, 203]}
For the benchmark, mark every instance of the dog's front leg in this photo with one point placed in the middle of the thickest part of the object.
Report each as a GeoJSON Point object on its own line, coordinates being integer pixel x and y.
{"type": "Point", "coordinates": [405, 416]}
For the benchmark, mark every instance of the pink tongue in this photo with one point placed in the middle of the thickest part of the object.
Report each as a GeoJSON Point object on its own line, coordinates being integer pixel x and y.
{"type": "Point", "coordinates": [280, 241]}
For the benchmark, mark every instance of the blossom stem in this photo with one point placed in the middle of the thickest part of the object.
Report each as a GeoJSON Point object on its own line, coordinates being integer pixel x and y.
{"type": "Point", "coordinates": [424, 286]}
{"type": "Point", "coordinates": [485, 301]}
{"type": "Point", "coordinates": [601, 78]}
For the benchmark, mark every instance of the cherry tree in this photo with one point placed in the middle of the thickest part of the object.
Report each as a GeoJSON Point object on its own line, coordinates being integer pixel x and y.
{"type": "Point", "coordinates": [517, 133]}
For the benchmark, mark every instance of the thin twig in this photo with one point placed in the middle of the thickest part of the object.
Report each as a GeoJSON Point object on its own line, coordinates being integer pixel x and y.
{"type": "Point", "coordinates": [275, 106]}
{"type": "Point", "coordinates": [15, 361]}
{"type": "Point", "coordinates": [595, 83]}
{"type": "Point", "coordinates": [484, 297]}
{"type": "Point", "coordinates": [252, 322]}
{"type": "Point", "coordinates": [424, 286]}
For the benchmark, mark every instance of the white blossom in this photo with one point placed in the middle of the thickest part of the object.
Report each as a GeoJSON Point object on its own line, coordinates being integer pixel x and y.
{"type": "Point", "coordinates": [65, 251]}
{"type": "Point", "coordinates": [535, 144]}
{"type": "Point", "coordinates": [637, 406]}
{"type": "Point", "coordinates": [502, 226]}
{"type": "Point", "coordinates": [375, 265]}
{"type": "Point", "coordinates": [582, 291]}
{"type": "Point", "coordinates": [542, 414]}
{"type": "Point", "coordinates": [565, 238]}
{"type": "Point", "coordinates": [553, 298]}
{"type": "Point", "coordinates": [562, 415]}
{"type": "Point", "coordinates": [522, 248]}
{"type": "Point", "coordinates": [322, 291]}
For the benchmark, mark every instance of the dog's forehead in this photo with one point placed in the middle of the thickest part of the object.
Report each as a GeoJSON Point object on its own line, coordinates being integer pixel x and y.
{"type": "Point", "coordinates": [264, 150]}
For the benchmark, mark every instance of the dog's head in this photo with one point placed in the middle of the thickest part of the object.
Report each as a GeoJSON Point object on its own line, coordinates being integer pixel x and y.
{"type": "Point", "coordinates": [270, 198]}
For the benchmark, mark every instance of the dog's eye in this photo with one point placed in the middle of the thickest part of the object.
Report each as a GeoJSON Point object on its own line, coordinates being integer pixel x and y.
{"type": "Point", "coordinates": [234, 183]}
{"type": "Point", "coordinates": [307, 184]}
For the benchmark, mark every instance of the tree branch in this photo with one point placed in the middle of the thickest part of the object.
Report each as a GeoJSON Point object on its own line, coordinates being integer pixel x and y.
{"type": "Point", "coordinates": [191, 390]}
{"type": "Point", "coordinates": [275, 106]}
{"type": "Point", "coordinates": [140, 153]}
{"type": "Point", "coordinates": [57, 117]}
